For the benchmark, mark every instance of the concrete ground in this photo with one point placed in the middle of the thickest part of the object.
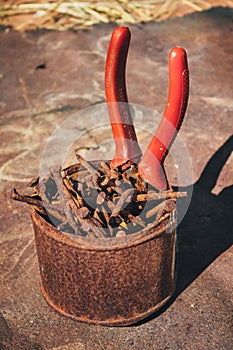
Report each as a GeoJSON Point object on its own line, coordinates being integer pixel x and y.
{"type": "Point", "coordinates": [47, 76]}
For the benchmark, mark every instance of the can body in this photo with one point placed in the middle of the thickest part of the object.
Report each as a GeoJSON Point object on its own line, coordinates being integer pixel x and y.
{"type": "Point", "coordinates": [113, 282]}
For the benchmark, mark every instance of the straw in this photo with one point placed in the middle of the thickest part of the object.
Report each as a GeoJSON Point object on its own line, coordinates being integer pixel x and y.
{"type": "Point", "coordinates": [63, 15]}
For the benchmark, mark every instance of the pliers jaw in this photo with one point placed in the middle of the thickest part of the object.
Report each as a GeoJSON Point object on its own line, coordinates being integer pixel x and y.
{"type": "Point", "coordinates": [151, 165]}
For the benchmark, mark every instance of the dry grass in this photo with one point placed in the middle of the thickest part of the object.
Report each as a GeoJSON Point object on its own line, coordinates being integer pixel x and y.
{"type": "Point", "coordinates": [63, 15]}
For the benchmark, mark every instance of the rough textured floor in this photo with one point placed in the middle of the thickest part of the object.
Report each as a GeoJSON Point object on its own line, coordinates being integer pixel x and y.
{"type": "Point", "coordinates": [47, 76]}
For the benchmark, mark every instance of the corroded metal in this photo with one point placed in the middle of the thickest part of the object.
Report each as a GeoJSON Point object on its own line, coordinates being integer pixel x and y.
{"type": "Point", "coordinates": [108, 281]}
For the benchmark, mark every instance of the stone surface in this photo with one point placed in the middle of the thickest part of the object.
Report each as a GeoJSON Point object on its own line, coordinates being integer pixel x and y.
{"type": "Point", "coordinates": [36, 99]}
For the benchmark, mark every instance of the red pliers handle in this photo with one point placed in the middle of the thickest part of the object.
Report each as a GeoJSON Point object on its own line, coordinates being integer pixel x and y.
{"type": "Point", "coordinates": [151, 166]}
{"type": "Point", "coordinates": [127, 148]}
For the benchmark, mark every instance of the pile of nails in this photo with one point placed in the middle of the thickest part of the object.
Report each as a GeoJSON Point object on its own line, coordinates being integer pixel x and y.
{"type": "Point", "coordinates": [89, 199]}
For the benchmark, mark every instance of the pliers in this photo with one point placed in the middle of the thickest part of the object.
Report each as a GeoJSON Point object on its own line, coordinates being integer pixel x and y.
{"type": "Point", "coordinates": [151, 164]}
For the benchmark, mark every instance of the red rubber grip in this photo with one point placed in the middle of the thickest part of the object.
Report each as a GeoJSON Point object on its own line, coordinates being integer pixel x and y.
{"type": "Point", "coordinates": [151, 167]}
{"type": "Point", "coordinates": [127, 148]}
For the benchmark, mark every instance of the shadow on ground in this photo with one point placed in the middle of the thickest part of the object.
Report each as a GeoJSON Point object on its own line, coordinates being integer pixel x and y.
{"type": "Point", "coordinates": [206, 230]}
{"type": "Point", "coordinates": [10, 340]}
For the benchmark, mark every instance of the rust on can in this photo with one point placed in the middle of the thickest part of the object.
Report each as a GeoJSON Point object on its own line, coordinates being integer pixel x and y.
{"type": "Point", "coordinates": [108, 281]}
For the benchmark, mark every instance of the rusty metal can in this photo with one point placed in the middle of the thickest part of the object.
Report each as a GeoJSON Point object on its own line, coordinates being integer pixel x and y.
{"type": "Point", "coordinates": [107, 281]}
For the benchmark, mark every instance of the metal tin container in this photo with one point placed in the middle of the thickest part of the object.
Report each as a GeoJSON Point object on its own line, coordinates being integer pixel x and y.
{"type": "Point", "coordinates": [108, 281]}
